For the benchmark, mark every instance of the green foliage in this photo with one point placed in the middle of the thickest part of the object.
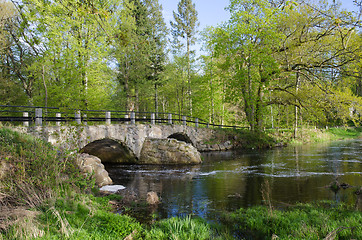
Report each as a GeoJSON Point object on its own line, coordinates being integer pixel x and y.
{"type": "Point", "coordinates": [281, 70]}
{"type": "Point", "coordinates": [308, 221]}
{"type": "Point", "coordinates": [141, 56]}
{"type": "Point", "coordinates": [71, 51]}
{"type": "Point", "coordinates": [176, 228]}
{"type": "Point", "coordinates": [184, 30]}
{"type": "Point", "coordinates": [245, 45]}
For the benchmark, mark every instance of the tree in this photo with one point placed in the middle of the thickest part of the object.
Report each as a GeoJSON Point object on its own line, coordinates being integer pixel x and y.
{"type": "Point", "coordinates": [317, 46]}
{"type": "Point", "coordinates": [285, 49]}
{"type": "Point", "coordinates": [246, 44]}
{"type": "Point", "coordinates": [70, 41]}
{"type": "Point", "coordinates": [141, 58]}
{"type": "Point", "coordinates": [18, 52]}
{"type": "Point", "coordinates": [158, 41]}
{"type": "Point", "coordinates": [185, 27]}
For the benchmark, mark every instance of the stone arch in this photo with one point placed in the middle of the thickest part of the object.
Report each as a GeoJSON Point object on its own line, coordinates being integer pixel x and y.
{"type": "Point", "coordinates": [181, 137]}
{"type": "Point", "coordinates": [110, 151]}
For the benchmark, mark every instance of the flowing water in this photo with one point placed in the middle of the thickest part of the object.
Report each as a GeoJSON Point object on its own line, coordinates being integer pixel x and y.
{"type": "Point", "coordinates": [230, 180]}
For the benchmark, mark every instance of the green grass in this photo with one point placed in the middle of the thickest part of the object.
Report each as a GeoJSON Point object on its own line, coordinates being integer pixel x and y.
{"type": "Point", "coordinates": [85, 217]}
{"type": "Point", "coordinates": [176, 228]}
{"type": "Point", "coordinates": [343, 133]}
{"type": "Point", "coordinates": [305, 221]}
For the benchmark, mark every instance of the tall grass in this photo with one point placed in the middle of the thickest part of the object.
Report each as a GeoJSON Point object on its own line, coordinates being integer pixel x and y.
{"type": "Point", "coordinates": [179, 229]}
{"type": "Point", "coordinates": [305, 221]}
{"type": "Point", "coordinates": [35, 174]}
{"type": "Point", "coordinates": [37, 171]}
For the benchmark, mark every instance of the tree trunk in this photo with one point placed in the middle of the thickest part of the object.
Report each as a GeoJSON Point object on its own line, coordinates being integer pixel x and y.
{"type": "Point", "coordinates": [258, 107]}
{"type": "Point", "coordinates": [156, 100]}
{"type": "Point", "coordinates": [212, 115]}
{"type": "Point", "coordinates": [189, 75]}
{"type": "Point", "coordinates": [296, 108]}
{"type": "Point", "coordinates": [45, 88]}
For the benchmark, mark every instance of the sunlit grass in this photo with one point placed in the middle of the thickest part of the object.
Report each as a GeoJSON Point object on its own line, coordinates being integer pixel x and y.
{"type": "Point", "coordinates": [305, 221]}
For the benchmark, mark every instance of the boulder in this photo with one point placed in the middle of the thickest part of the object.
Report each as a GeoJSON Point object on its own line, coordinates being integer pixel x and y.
{"type": "Point", "coordinates": [152, 198]}
{"type": "Point", "coordinates": [89, 164]}
{"type": "Point", "coordinates": [168, 151]}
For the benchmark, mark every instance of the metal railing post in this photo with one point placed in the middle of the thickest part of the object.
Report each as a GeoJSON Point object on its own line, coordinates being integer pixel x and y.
{"type": "Point", "coordinates": [85, 119]}
{"type": "Point", "coordinates": [170, 118]}
{"type": "Point", "coordinates": [108, 118]}
{"type": "Point", "coordinates": [38, 117]}
{"type": "Point", "coordinates": [184, 120]}
{"type": "Point", "coordinates": [58, 117]}
{"type": "Point", "coordinates": [133, 118]}
{"type": "Point", "coordinates": [196, 122]}
{"type": "Point", "coordinates": [26, 122]}
{"type": "Point", "coordinates": [77, 117]}
{"type": "Point", "coordinates": [153, 118]}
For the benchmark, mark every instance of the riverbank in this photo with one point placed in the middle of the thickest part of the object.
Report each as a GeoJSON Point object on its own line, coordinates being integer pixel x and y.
{"type": "Point", "coordinates": [245, 139]}
{"type": "Point", "coordinates": [43, 195]}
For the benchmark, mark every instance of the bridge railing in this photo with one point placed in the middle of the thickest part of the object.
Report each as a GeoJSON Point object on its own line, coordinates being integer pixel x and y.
{"type": "Point", "coordinates": [39, 116]}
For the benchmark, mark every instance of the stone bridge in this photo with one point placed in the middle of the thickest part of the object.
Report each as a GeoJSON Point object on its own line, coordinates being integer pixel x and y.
{"type": "Point", "coordinates": [123, 139]}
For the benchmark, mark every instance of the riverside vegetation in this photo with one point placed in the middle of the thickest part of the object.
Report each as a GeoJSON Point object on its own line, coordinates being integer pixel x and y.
{"type": "Point", "coordinates": [43, 195]}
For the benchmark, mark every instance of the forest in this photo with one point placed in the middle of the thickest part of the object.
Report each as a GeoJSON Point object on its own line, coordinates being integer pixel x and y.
{"type": "Point", "coordinates": [273, 64]}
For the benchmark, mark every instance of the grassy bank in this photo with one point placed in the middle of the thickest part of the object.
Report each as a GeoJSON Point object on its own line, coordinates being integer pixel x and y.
{"type": "Point", "coordinates": [304, 221]}
{"type": "Point", "coordinates": [311, 135]}
{"type": "Point", "coordinates": [245, 139]}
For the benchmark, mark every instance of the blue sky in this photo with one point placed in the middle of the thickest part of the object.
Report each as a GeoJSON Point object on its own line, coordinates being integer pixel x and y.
{"type": "Point", "coordinates": [212, 12]}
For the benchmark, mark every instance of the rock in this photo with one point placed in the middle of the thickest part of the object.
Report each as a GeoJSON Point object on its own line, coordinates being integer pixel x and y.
{"type": "Point", "coordinates": [222, 147]}
{"type": "Point", "coordinates": [228, 145]}
{"type": "Point", "coordinates": [89, 164]}
{"type": "Point", "coordinates": [215, 147]}
{"type": "Point", "coordinates": [152, 198]}
{"type": "Point", "coordinates": [4, 167]}
{"type": "Point", "coordinates": [168, 151]}
{"type": "Point", "coordinates": [112, 188]}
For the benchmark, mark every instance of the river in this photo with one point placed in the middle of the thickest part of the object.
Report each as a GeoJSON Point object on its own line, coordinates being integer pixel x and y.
{"type": "Point", "coordinates": [230, 180]}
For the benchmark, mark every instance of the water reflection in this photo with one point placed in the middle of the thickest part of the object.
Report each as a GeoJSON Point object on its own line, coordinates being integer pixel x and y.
{"type": "Point", "coordinates": [230, 180]}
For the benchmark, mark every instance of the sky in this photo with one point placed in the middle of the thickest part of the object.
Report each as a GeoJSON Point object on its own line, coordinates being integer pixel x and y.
{"type": "Point", "coordinates": [212, 12]}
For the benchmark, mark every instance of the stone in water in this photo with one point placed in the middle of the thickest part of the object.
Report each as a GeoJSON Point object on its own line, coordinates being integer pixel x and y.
{"type": "Point", "coordinates": [112, 188]}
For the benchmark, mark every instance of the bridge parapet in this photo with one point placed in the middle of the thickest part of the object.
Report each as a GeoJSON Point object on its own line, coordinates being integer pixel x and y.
{"type": "Point", "coordinates": [74, 129]}
{"type": "Point", "coordinates": [133, 136]}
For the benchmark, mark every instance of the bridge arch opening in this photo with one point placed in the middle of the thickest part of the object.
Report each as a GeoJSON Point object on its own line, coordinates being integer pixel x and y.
{"type": "Point", "coordinates": [181, 137]}
{"type": "Point", "coordinates": [110, 151]}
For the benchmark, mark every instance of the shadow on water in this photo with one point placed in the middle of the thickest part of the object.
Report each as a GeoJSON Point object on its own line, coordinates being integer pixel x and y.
{"type": "Point", "coordinates": [227, 181]}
